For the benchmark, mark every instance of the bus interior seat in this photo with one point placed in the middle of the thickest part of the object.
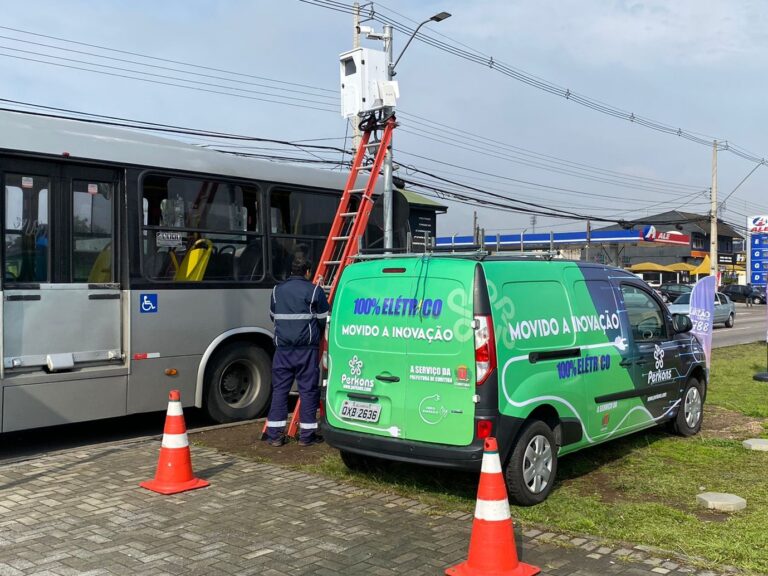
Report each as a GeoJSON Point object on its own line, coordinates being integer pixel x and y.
{"type": "Point", "coordinates": [101, 271]}
{"type": "Point", "coordinates": [195, 262]}
{"type": "Point", "coordinates": [249, 265]}
{"type": "Point", "coordinates": [222, 264]}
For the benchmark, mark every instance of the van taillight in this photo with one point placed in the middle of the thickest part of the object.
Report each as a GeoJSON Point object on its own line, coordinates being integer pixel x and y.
{"type": "Point", "coordinates": [324, 345]}
{"type": "Point", "coordinates": [485, 348]}
{"type": "Point", "coordinates": [484, 428]}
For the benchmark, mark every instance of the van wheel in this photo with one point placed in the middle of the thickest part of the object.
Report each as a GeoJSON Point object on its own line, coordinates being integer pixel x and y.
{"type": "Point", "coordinates": [531, 470]}
{"type": "Point", "coordinates": [691, 412]}
{"type": "Point", "coordinates": [729, 322]}
{"type": "Point", "coordinates": [361, 463]}
{"type": "Point", "coordinates": [238, 382]}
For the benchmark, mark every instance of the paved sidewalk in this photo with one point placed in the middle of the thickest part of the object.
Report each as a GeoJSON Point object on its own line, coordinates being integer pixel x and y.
{"type": "Point", "coordinates": [82, 512]}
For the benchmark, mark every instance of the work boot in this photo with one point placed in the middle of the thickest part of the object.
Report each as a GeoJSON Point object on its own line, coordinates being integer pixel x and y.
{"type": "Point", "coordinates": [312, 440]}
{"type": "Point", "coordinates": [276, 442]}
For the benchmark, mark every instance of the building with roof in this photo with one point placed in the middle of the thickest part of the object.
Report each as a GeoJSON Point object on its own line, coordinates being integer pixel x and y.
{"type": "Point", "coordinates": [694, 226]}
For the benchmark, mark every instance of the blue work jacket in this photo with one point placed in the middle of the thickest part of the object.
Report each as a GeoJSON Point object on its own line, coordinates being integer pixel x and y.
{"type": "Point", "coordinates": [299, 310]}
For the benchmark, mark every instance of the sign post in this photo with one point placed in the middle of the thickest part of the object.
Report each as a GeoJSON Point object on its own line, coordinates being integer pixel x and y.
{"type": "Point", "coordinates": [757, 266]}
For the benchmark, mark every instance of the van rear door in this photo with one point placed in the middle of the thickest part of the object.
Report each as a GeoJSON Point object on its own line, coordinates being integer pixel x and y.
{"type": "Point", "coordinates": [401, 350]}
{"type": "Point", "coordinates": [439, 341]}
{"type": "Point", "coordinates": [366, 367]}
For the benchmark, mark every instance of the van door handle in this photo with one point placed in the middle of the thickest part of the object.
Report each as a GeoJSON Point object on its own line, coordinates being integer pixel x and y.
{"type": "Point", "coordinates": [627, 362]}
{"type": "Point", "coordinates": [385, 378]}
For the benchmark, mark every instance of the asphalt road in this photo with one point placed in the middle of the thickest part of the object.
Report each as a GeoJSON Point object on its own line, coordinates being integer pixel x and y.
{"type": "Point", "coordinates": [750, 326]}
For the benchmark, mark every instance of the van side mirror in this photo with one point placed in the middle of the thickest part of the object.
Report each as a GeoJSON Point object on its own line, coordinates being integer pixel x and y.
{"type": "Point", "coordinates": [682, 323]}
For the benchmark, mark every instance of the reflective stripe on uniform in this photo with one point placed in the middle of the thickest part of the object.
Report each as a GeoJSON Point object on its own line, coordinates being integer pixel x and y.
{"type": "Point", "coordinates": [492, 510]}
{"type": "Point", "coordinates": [280, 424]}
{"type": "Point", "coordinates": [304, 426]}
{"type": "Point", "coordinates": [175, 440]}
{"type": "Point", "coordinates": [321, 316]}
{"type": "Point", "coordinates": [293, 316]}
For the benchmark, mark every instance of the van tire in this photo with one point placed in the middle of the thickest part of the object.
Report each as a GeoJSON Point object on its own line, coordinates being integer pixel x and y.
{"type": "Point", "coordinates": [360, 463]}
{"type": "Point", "coordinates": [691, 412]}
{"type": "Point", "coordinates": [536, 435]}
{"type": "Point", "coordinates": [238, 382]}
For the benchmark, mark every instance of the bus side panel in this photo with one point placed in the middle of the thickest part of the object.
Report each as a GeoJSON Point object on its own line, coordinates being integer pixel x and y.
{"type": "Point", "coordinates": [34, 405]}
{"type": "Point", "coordinates": [176, 330]}
{"type": "Point", "coordinates": [150, 385]}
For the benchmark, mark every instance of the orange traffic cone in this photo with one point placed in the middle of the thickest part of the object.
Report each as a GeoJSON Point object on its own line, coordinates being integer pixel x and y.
{"type": "Point", "coordinates": [174, 468]}
{"type": "Point", "coordinates": [492, 549]}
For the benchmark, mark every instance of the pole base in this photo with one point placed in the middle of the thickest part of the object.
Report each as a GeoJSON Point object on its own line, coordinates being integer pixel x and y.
{"type": "Point", "coordinates": [761, 377]}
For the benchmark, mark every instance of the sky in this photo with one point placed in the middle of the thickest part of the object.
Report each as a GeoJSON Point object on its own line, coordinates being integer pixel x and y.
{"type": "Point", "coordinates": [698, 65]}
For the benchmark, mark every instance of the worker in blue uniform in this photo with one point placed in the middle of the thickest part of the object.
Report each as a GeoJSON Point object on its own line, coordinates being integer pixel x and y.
{"type": "Point", "coordinates": [299, 310]}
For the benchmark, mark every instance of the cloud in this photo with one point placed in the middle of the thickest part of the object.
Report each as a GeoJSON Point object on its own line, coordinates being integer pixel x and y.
{"type": "Point", "coordinates": [633, 34]}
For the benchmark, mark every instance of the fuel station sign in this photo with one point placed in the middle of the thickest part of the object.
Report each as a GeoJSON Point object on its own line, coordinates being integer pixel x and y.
{"type": "Point", "coordinates": [757, 226]}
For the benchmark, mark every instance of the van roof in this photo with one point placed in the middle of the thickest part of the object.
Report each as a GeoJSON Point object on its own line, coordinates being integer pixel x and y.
{"type": "Point", "coordinates": [478, 257]}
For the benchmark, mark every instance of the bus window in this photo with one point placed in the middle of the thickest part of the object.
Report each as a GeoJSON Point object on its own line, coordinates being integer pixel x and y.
{"type": "Point", "coordinates": [299, 222]}
{"type": "Point", "coordinates": [180, 212]}
{"type": "Point", "coordinates": [26, 228]}
{"type": "Point", "coordinates": [91, 232]}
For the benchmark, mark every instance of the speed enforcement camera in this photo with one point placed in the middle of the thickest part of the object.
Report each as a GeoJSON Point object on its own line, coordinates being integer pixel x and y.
{"type": "Point", "coordinates": [365, 86]}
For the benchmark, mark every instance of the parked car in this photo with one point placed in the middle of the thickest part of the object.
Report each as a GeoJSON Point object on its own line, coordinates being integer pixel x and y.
{"type": "Point", "coordinates": [671, 291]}
{"type": "Point", "coordinates": [725, 311]}
{"type": "Point", "coordinates": [739, 293]}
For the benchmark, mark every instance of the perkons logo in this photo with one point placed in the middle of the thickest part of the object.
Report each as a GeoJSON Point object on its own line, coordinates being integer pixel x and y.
{"type": "Point", "coordinates": [353, 380]}
{"type": "Point", "coordinates": [355, 366]}
{"type": "Point", "coordinates": [660, 374]}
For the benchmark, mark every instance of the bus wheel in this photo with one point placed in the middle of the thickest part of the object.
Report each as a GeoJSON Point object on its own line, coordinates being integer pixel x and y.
{"type": "Point", "coordinates": [531, 470]}
{"type": "Point", "coordinates": [238, 382]}
{"type": "Point", "coordinates": [691, 411]}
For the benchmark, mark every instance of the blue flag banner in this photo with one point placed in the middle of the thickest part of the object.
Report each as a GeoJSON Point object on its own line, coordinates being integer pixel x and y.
{"type": "Point", "coordinates": [702, 313]}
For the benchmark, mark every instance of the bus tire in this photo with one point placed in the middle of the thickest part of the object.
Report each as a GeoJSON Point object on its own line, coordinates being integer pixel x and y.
{"type": "Point", "coordinates": [238, 382]}
{"type": "Point", "coordinates": [691, 412]}
{"type": "Point", "coordinates": [532, 466]}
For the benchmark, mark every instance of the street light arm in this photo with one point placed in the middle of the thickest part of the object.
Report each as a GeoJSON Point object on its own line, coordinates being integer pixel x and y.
{"type": "Point", "coordinates": [392, 70]}
{"type": "Point", "coordinates": [439, 17]}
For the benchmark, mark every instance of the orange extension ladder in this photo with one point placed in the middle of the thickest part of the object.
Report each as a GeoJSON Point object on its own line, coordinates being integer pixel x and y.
{"type": "Point", "coordinates": [349, 223]}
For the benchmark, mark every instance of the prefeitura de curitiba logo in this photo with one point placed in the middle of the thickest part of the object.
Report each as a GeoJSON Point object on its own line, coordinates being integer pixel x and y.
{"type": "Point", "coordinates": [658, 355]}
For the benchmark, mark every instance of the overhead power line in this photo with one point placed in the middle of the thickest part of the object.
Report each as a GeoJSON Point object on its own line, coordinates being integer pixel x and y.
{"type": "Point", "coordinates": [498, 66]}
{"type": "Point", "coordinates": [167, 60]}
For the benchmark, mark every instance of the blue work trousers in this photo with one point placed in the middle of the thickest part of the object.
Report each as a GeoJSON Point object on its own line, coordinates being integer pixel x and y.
{"type": "Point", "coordinates": [302, 365]}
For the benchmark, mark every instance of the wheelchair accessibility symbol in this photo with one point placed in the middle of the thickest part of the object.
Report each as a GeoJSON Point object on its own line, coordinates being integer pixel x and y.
{"type": "Point", "coordinates": [148, 303]}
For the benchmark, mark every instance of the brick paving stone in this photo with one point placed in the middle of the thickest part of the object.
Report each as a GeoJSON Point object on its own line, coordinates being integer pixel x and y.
{"type": "Point", "coordinates": [255, 518]}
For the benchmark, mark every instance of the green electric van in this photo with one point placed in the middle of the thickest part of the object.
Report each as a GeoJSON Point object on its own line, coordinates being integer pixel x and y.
{"type": "Point", "coordinates": [430, 354]}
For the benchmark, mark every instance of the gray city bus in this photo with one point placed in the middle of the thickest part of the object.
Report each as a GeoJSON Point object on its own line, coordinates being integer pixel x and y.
{"type": "Point", "coordinates": [135, 264]}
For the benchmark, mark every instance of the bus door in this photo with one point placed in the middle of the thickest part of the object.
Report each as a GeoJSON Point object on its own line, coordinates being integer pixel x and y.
{"type": "Point", "coordinates": [61, 306]}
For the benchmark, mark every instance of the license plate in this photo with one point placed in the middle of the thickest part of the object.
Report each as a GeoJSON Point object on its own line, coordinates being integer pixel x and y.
{"type": "Point", "coordinates": [360, 411]}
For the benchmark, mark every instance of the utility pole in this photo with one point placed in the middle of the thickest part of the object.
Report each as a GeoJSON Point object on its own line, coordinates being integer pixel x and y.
{"type": "Point", "coordinates": [713, 215]}
{"type": "Point", "coordinates": [475, 235]}
{"type": "Point", "coordinates": [356, 134]}
{"type": "Point", "coordinates": [533, 224]}
{"type": "Point", "coordinates": [388, 187]}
